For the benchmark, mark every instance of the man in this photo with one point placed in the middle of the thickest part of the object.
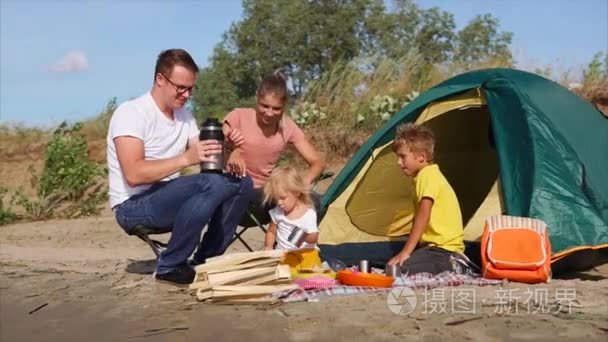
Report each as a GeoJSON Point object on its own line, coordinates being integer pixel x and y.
{"type": "Point", "coordinates": [152, 138]}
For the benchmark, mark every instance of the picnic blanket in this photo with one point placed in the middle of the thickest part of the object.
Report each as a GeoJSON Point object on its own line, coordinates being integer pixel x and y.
{"type": "Point", "coordinates": [416, 281]}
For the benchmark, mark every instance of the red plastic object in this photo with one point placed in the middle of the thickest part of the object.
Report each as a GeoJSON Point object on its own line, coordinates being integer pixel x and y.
{"type": "Point", "coordinates": [355, 278]}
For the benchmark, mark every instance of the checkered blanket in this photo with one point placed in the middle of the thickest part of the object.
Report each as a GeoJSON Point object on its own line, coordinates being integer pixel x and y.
{"type": "Point", "coordinates": [416, 281]}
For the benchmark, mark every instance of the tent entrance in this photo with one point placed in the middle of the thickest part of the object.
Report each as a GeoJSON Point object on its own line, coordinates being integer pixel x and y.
{"type": "Point", "coordinates": [381, 203]}
{"type": "Point", "coordinates": [467, 157]}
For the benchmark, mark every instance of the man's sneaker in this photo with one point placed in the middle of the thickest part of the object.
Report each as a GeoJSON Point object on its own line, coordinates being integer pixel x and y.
{"type": "Point", "coordinates": [181, 276]}
{"type": "Point", "coordinates": [193, 263]}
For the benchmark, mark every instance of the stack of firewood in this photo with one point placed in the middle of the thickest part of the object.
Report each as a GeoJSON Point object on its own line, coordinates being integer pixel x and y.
{"type": "Point", "coordinates": [248, 278]}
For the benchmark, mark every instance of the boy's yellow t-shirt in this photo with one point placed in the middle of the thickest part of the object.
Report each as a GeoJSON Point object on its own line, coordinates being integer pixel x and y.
{"type": "Point", "coordinates": [445, 224]}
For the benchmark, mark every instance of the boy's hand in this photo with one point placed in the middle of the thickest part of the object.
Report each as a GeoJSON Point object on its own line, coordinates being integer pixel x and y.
{"type": "Point", "coordinates": [268, 248]}
{"type": "Point", "coordinates": [399, 259]}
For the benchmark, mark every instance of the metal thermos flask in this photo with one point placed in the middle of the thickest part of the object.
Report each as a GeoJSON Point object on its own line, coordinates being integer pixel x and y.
{"type": "Point", "coordinates": [211, 129]}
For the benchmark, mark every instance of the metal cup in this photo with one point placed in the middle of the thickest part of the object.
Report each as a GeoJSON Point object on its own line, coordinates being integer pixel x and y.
{"type": "Point", "coordinates": [297, 237]}
{"type": "Point", "coordinates": [364, 266]}
{"type": "Point", "coordinates": [392, 270]}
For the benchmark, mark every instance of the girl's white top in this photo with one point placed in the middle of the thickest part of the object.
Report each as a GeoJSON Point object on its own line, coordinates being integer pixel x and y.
{"type": "Point", "coordinates": [307, 222]}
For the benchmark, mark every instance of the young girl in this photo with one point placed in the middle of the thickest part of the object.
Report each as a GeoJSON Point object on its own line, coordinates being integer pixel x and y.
{"type": "Point", "coordinates": [294, 208]}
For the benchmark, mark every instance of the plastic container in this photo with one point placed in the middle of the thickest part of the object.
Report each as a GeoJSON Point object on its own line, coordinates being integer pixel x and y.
{"type": "Point", "coordinates": [364, 279]}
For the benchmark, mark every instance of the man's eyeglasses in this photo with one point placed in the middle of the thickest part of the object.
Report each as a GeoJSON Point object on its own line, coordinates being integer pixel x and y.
{"type": "Point", "coordinates": [180, 89]}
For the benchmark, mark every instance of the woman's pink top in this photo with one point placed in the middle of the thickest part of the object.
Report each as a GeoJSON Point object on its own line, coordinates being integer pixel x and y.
{"type": "Point", "coordinates": [261, 152]}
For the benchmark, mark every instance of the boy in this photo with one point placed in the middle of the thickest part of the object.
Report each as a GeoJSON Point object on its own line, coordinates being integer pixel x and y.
{"type": "Point", "coordinates": [437, 224]}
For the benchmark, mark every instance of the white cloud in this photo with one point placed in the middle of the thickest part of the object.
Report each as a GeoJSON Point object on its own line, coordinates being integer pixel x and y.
{"type": "Point", "coordinates": [73, 61]}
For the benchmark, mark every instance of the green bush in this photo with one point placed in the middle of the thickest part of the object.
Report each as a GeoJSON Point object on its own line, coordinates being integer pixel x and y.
{"type": "Point", "coordinates": [6, 213]}
{"type": "Point", "coordinates": [70, 185]}
{"type": "Point", "coordinates": [67, 167]}
{"type": "Point", "coordinates": [305, 113]}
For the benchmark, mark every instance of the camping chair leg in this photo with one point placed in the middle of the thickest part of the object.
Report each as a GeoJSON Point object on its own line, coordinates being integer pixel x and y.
{"type": "Point", "coordinates": [245, 244]}
{"type": "Point", "coordinates": [257, 222]}
{"type": "Point", "coordinates": [237, 235]}
{"type": "Point", "coordinates": [157, 246]}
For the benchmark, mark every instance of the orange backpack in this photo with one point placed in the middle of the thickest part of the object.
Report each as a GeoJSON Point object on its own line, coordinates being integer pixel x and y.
{"type": "Point", "coordinates": [517, 249]}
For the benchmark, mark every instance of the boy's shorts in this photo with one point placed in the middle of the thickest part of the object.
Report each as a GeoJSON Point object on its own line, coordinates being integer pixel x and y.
{"type": "Point", "coordinates": [435, 260]}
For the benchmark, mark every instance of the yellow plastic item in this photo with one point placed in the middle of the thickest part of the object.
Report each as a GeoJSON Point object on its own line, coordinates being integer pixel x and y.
{"type": "Point", "coordinates": [303, 258]}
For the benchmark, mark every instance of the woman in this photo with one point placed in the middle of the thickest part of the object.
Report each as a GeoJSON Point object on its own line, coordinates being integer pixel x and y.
{"type": "Point", "coordinates": [267, 132]}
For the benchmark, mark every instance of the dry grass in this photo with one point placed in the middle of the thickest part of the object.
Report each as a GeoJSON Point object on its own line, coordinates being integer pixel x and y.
{"type": "Point", "coordinates": [348, 88]}
{"type": "Point", "coordinates": [596, 93]}
{"type": "Point", "coordinates": [19, 143]}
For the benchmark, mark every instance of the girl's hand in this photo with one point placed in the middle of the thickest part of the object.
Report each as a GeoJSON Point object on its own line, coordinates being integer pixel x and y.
{"type": "Point", "coordinates": [399, 259]}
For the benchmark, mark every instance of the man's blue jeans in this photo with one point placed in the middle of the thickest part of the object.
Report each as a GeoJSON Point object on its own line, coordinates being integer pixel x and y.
{"type": "Point", "coordinates": [184, 206]}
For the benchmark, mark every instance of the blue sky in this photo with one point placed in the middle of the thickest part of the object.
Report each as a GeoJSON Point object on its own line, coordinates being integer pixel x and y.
{"type": "Point", "coordinates": [64, 59]}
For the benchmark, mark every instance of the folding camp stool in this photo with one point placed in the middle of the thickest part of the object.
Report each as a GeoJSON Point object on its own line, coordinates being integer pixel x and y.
{"type": "Point", "coordinates": [245, 224]}
{"type": "Point", "coordinates": [250, 220]}
{"type": "Point", "coordinates": [144, 233]}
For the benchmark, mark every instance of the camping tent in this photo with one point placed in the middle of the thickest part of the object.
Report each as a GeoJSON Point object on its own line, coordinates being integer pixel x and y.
{"type": "Point", "coordinates": [508, 141]}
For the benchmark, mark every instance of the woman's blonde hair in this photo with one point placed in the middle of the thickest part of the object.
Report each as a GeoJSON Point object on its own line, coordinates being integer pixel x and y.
{"type": "Point", "coordinates": [287, 179]}
{"type": "Point", "coordinates": [275, 84]}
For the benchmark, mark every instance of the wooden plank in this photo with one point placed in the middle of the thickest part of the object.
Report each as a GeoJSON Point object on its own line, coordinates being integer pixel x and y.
{"type": "Point", "coordinates": [241, 291]}
{"type": "Point", "coordinates": [200, 277]}
{"type": "Point", "coordinates": [204, 294]}
{"type": "Point", "coordinates": [245, 290]}
{"type": "Point", "coordinates": [251, 264]}
{"type": "Point", "coordinates": [261, 280]}
{"type": "Point", "coordinates": [235, 264]}
{"type": "Point", "coordinates": [281, 272]}
{"type": "Point", "coordinates": [234, 277]}
{"type": "Point", "coordinates": [284, 272]}
{"type": "Point", "coordinates": [267, 280]}
{"type": "Point", "coordinates": [203, 285]}
{"type": "Point", "coordinates": [239, 258]}
{"type": "Point", "coordinates": [246, 301]}
{"type": "Point", "coordinates": [241, 275]}
{"type": "Point", "coordinates": [275, 253]}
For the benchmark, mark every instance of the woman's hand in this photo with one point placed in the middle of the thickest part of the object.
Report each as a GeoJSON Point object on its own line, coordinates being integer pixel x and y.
{"type": "Point", "coordinates": [236, 164]}
{"type": "Point", "coordinates": [234, 135]}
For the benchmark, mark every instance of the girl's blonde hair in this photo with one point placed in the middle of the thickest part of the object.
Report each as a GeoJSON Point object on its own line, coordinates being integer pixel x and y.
{"type": "Point", "coordinates": [287, 179]}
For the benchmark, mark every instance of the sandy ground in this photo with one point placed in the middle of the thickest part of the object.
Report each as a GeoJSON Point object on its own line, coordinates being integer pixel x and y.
{"type": "Point", "coordinates": [91, 281]}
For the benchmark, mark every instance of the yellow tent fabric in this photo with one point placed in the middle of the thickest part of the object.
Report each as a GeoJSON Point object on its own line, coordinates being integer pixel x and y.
{"type": "Point", "coordinates": [377, 205]}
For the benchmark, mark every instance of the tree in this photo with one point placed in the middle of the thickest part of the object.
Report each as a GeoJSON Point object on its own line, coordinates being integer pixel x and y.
{"type": "Point", "coordinates": [307, 38]}
{"type": "Point", "coordinates": [303, 37]}
{"type": "Point", "coordinates": [481, 39]}
{"type": "Point", "coordinates": [216, 90]}
{"type": "Point", "coordinates": [407, 27]}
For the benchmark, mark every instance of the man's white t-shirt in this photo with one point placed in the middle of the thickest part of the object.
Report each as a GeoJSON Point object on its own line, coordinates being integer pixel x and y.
{"type": "Point", "coordinates": [163, 138]}
{"type": "Point", "coordinates": [307, 222]}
